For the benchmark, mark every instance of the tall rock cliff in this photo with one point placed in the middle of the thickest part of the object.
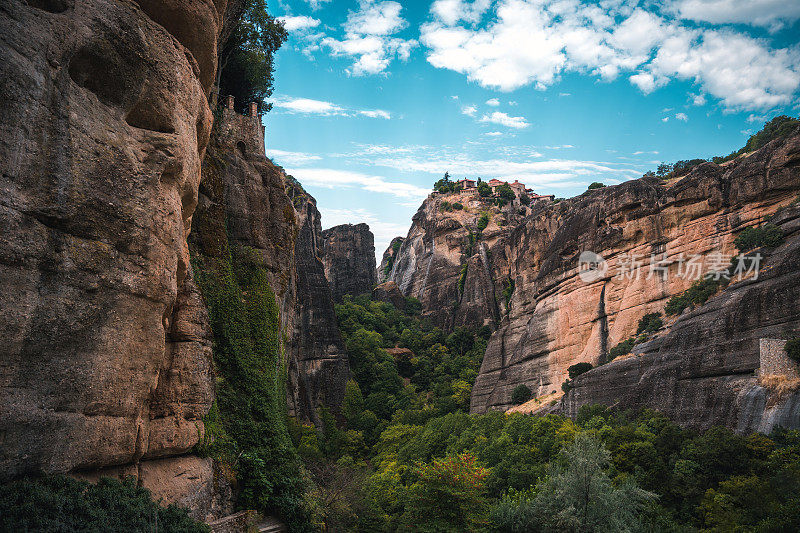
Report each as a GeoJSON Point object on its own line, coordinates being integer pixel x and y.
{"type": "Point", "coordinates": [247, 201]}
{"type": "Point", "coordinates": [387, 260]}
{"type": "Point", "coordinates": [348, 253]}
{"type": "Point", "coordinates": [697, 371]}
{"type": "Point", "coordinates": [105, 119]}
{"type": "Point", "coordinates": [457, 270]}
{"type": "Point", "coordinates": [107, 365]}
{"type": "Point", "coordinates": [521, 275]}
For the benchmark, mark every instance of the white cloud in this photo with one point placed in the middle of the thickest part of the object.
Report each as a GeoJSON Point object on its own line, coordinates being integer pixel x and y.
{"type": "Point", "coordinates": [767, 13]}
{"type": "Point", "coordinates": [316, 4]}
{"type": "Point", "coordinates": [494, 133]}
{"type": "Point", "coordinates": [453, 11]}
{"type": "Point", "coordinates": [469, 110]}
{"type": "Point", "coordinates": [681, 116]}
{"type": "Point", "coordinates": [369, 38]}
{"type": "Point", "coordinates": [494, 102]}
{"type": "Point", "coordinates": [498, 117]}
{"type": "Point", "coordinates": [757, 118]}
{"type": "Point", "coordinates": [665, 119]}
{"type": "Point", "coordinates": [533, 42]}
{"type": "Point", "coordinates": [299, 23]}
{"type": "Point", "coordinates": [698, 99]}
{"type": "Point", "coordinates": [308, 106]}
{"type": "Point", "coordinates": [285, 157]}
{"type": "Point", "coordinates": [331, 178]}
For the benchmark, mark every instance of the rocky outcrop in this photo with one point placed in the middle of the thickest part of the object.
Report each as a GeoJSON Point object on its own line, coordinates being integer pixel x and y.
{"type": "Point", "coordinates": [389, 292]}
{"type": "Point", "coordinates": [387, 260]}
{"type": "Point", "coordinates": [348, 253]}
{"type": "Point", "coordinates": [245, 200]}
{"type": "Point", "coordinates": [456, 270]}
{"type": "Point", "coordinates": [107, 355]}
{"type": "Point", "coordinates": [701, 371]}
{"type": "Point", "coordinates": [319, 368]}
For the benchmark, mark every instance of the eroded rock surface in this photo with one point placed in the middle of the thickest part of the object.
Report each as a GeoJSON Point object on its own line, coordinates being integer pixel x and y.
{"type": "Point", "coordinates": [348, 254]}
{"type": "Point", "coordinates": [106, 357]}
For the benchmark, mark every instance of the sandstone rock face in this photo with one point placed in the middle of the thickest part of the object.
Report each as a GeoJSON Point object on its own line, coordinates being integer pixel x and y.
{"type": "Point", "coordinates": [107, 357]}
{"type": "Point", "coordinates": [348, 254]}
{"type": "Point", "coordinates": [387, 260]}
{"type": "Point", "coordinates": [702, 370]}
{"type": "Point", "coordinates": [430, 264]}
{"type": "Point", "coordinates": [319, 368]}
{"type": "Point", "coordinates": [245, 200]}
{"type": "Point", "coordinates": [389, 292]}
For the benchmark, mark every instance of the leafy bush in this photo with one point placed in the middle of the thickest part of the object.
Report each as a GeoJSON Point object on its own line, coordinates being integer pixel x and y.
{"type": "Point", "coordinates": [484, 190]}
{"type": "Point", "coordinates": [521, 394]}
{"type": "Point", "coordinates": [444, 185]}
{"type": "Point", "coordinates": [462, 278]}
{"type": "Point", "coordinates": [61, 503]}
{"type": "Point", "coordinates": [525, 199]}
{"type": "Point", "coordinates": [623, 348]}
{"type": "Point", "coordinates": [650, 323]}
{"type": "Point", "coordinates": [505, 192]}
{"type": "Point", "coordinates": [508, 290]}
{"type": "Point", "coordinates": [445, 206]}
{"type": "Point", "coordinates": [697, 294]}
{"type": "Point", "coordinates": [595, 185]}
{"type": "Point", "coordinates": [792, 349]}
{"type": "Point", "coordinates": [483, 221]}
{"type": "Point", "coordinates": [566, 386]}
{"type": "Point", "coordinates": [458, 206]}
{"type": "Point", "coordinates": [579, 368]}
{"type": "Point", "coordinates": [767, 235]}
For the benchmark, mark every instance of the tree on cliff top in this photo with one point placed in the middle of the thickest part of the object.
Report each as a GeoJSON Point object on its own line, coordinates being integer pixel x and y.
{"type": "Point", "coordinates": [245, 64]}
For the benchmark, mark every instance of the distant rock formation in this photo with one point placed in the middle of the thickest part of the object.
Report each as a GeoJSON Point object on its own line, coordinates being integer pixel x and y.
{"type": "Point", "coordinates": [348, 253]}
{"type": "Point", "coordinates": [387, 261]}
{"type": "Point", "coordinates": [390, 293]}
{"type": "Point", "coordinates": [521, 275]}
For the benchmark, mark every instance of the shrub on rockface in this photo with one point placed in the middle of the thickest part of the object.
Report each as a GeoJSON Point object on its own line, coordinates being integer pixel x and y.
{"type": "Point", "coordinates": [579, 368]}
{"type": "Point", "coordinates": [483, 221]}
{"type": "Point", "coordinates": [521, 394]}
{"type": "Point", "coordinates": [767, 235]}
{"type": "Point", "coordinates": [251, 399]}
{"type": "Point", "coordinates": [61, 503]}
{"type": "Point", "coordinates": [622, 348]}
{"type": "Point", "coordinates": [650, 323]}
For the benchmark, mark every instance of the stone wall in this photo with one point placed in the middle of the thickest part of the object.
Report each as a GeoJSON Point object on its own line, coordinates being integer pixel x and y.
{"type": "Point", "coordinates": [774, 361]}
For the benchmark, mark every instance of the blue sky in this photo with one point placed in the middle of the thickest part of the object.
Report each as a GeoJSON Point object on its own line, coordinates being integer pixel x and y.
{"type": "Point", "coordinates": [375, 100]}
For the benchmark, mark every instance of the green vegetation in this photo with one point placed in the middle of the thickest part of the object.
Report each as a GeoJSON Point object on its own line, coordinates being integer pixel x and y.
{"type": "Point", "coordinates": [776, 128]}
{"type": "Point", "coordinates": [699, 292]}
{"type": "Point", "coordinates": [445, 185]}
{"type": "Point", "coordinates": [396, 244]}
{"type": "Point", "coordinates": [508, 291]}
{"type": "Point", "coordinates": [245, 62]}
{"type": "Point", "coordinates": [484, 190]}
{"type": "Point", "coordinates": [505, 192]}
{"type": "Point", "coordinates": [483, 221]}
{"type": "Point", "coordinates": [578, 368]}
{"type": "Point", "coordinates": [767, 235]}
{"type": "Point", "coordinates": [650, 323]}
{"type": "Point", "coordinates": [60, 503]}
{"type": "Point", "coordinates": [247, 426]}
{"type": "Point", "coordinates": [623, 348]}
{"type": "Point", "coordinates": [458, 206]}
{"type": "Point", "coordinates": [792, 349]}
{"type": "Point", "coordinates": [462, 278]}
{"type": "Point", "coordinates": [525, 199]}
{"type": "Point", "coordinates": [521, 394]}
{"type": "Point", "coordinates": [445, 206]}
{"type": "Point", "coordinates": [595, 185]}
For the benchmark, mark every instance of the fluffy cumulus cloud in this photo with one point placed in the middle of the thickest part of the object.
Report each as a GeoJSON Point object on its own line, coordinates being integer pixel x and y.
{"type": "Point", "coordinates": [308, 106]}
{"type": "Point", "coordinates": [516, 43]}
{"type": "Point", "coordinates": [370, 37]}
{"type": "Point", "coordinates": [772, 14]}
{"type": "Point", "coordinates": [498, 117]}
{"type": "Point", "coordinates": [299, 23]}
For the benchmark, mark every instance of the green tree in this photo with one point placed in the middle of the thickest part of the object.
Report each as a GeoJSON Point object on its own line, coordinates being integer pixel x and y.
{"type": "Point", "coordinates": [245, 63]}
{"type": "Point", "coordinates": [484, 190]}
{"type": "Point", "coordinates": [595, 185]}
{"type": "Point", "coordinates": [449, 495]}
{"type": "Point", "coordinates": [578, 495]}
{"type": "Point", "coordinates": [483, 221]}
{"type": "Point", "coordinates": [521, 394]}
{"type": "Point", "coordinates": [505, 192]}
